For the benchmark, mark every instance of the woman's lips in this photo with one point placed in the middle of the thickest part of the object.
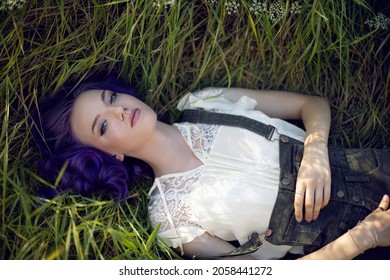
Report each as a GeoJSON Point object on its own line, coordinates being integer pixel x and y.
{"type": "Point", "coordinates": [134, 116]}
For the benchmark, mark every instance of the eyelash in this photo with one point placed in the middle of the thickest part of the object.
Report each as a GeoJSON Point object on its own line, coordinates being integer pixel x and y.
{"type": "Point", "coordinates": [111, 101]}
{"type": "Point", "coordinates": [103, 128]}
{"type": "Point", "coordinates": [112, 98]}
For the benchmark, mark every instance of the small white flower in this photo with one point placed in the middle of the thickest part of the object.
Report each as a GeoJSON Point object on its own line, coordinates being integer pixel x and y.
{"type": "Point", "coordinates": [295, 8]}
{"type": "Point", "coordinates": [258, 7]}
{"type": "Point", "coordinates": [10, 5]}
{"type": "Point", "coordinates": [380, 21]}
{"type": "Point", "coordinates": [232, 7]}
{"type": "Point", "coordinates": [167, 3]}
{"type": "Point", "coordinates": [211, 2]}
{"type": "Point", "coordinates": [276, 11]}
{"type": "Point", "coordinates": [156, 3]}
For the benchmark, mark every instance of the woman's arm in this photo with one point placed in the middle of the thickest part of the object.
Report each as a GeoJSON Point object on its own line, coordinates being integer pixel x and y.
{"type": "Point", "coordinates": [314, 179]}
{"type": "Point", "coordinates": [210, 246]}
{"type": "Point", "coordinates": [374, 231]}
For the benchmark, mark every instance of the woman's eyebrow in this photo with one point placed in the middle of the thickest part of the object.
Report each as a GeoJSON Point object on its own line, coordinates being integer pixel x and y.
{"type": "Point", "coordinates": [103, 97]}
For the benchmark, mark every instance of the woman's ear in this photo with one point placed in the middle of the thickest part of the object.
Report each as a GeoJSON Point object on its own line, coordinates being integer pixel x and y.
{"type": "Point", "coordinates": [120, 157]}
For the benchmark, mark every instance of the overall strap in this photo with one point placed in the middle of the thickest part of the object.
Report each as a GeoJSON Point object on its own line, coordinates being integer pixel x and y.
{"type": "Point", "coordinates": [206, 117]}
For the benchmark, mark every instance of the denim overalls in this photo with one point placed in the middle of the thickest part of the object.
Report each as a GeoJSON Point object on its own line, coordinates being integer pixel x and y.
{"type": "Point", "coordinates": [360, 178]}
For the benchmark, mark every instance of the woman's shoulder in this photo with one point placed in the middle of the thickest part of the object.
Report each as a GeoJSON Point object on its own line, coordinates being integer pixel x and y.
{"type": "Point", "coordinates": [214, 99]}
{"type": "Point", "coordinates": [197, 99]}
{"type": "Point", "coordinates": [170, 207]}
{"type": "Point", "coordinates": [208, 92]}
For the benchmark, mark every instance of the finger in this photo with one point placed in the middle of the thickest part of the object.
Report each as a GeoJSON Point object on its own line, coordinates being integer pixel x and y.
{"type": "Point", "coordinates": [326, 193]}
{"type": "Point", "coordinates": [384, 204]}
{"type": "Point", "coordinates": [298, 205]}
{"type": "Point", "coordinates": [309, 205]}
{"type": "Point", "coordinates": [318, 202]}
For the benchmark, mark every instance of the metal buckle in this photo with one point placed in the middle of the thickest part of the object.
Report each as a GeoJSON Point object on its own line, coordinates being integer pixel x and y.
{"type": "Point", "coordinates": [273, 133]}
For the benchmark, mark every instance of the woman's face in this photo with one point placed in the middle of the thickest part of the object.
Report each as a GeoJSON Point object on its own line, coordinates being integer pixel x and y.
{"type": "Point", "coordinates": [118, 124]}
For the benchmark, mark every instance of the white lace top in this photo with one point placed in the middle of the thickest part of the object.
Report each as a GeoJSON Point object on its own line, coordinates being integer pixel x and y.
{"type": "Point", "coordinates": [233, 193]}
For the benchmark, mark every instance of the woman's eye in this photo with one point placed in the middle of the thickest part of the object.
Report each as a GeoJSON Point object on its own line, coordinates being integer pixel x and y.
{"type": "Point", "coordinates": [103, 128]}
{"type": "Point", "coordinates": [112, 98]}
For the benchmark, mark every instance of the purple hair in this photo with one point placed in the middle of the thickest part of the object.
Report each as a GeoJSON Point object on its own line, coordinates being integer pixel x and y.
{"type": "Point", "coordinates": [88, 170]}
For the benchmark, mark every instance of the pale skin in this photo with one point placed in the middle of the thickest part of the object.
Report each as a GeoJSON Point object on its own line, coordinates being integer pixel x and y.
{"type": "Point", "coordinates": [122, 125]}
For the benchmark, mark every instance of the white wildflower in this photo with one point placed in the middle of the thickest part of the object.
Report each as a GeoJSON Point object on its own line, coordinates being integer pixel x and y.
{"type": "Point", "coordinates": [232, 7]}
{"type": "Point", "coordinates": [10, 5]}
{"type": "Point", "coordinates": [295, 8]}
{"type": "Point", "coordinates": [167, 3]}
{"type": "Point", "coordinates": [380, 21]}
{"type": "Point", "coordinates": [276, 11]}
{"type": "Point", "coordinates": [258, 7]}
{"type": "Point", "coordinates": [211, 2]}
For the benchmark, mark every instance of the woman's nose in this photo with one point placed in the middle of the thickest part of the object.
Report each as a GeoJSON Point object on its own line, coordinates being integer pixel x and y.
{"type": "Point", "coordinates": [119, 111]}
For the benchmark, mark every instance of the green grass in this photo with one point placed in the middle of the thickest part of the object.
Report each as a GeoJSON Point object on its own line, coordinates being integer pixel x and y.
{"type": "Point", "coordinates": [327, 49]}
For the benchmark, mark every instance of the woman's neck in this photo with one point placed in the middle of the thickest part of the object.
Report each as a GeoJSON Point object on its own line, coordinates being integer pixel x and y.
{"type": "Point", "coordinates": [167, 152]}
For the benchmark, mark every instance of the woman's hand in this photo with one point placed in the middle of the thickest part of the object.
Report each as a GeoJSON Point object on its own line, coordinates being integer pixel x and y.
{"type": "Point", "coordinates": [313, 182]}
{"type": "Point", "coordinates": [379, 223]}
{"type": "Point", "coordinates": [373, 231]}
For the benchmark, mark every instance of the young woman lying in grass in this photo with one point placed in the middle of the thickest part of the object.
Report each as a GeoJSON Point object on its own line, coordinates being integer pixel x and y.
{"type": "Point", "coordinates": [218, 183]}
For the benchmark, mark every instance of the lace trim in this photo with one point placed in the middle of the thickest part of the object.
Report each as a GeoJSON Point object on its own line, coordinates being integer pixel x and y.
{"type": "Point", "coordinates": [200, 137]}
{"type": "Point", "coordinates": [170, 204]}
{"type": "Point", "coordinates": [172, 201]}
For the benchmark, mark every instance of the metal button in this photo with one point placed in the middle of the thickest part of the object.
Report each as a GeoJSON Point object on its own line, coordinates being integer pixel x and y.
{"type": "Point", "coordinates": [340, 194]}
{"type": "Point", "coordinates": [286, 181]}
{"type": "Point", "coordinates": [284, 138]}
{"type": "Point", "coordinates": [268, 232]}
{"type": "Point", "coordinates": [355, 198]}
